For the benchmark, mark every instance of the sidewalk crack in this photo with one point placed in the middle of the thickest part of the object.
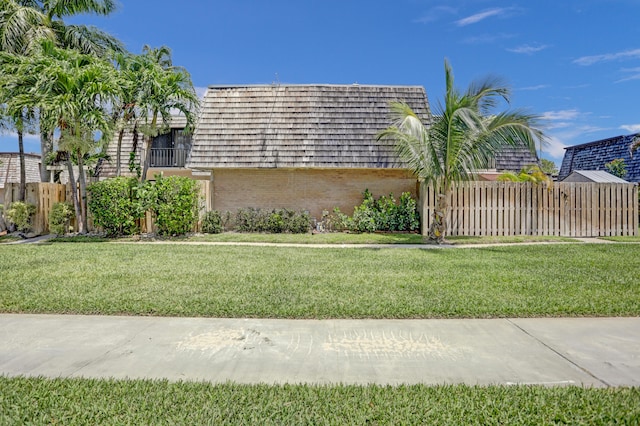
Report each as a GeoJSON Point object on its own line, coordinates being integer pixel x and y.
{"type": "Point", "coordinates": [560, 354]}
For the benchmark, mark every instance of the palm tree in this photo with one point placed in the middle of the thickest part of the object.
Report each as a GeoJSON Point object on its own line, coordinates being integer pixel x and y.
{"type": "Point", "coordinates": [73, 92]}
{"type": "Point", "coordinates": [125, 111]}
{"type": "Point", "coordinates": [464, 136]}
{"type": "Point", "coordinates": [163, 89]}
{"type": "Point", "coordinates": [24, 23]}
{"type": "Point", "coordinates": [17, 114]}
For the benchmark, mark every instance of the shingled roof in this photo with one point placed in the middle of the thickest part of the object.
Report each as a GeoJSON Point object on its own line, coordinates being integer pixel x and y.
{"type": "Point", "coordinates": [291, 126]}
{"type": "Point", "coordinates": [594, 156]}
{"type": "Point", "coordinates": [10, 168]}
{"type": "Point", "coordinates": [514, 159]}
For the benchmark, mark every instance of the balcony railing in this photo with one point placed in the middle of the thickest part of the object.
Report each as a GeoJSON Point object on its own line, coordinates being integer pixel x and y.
{"type": "Point", "coordinates": [168, 157]}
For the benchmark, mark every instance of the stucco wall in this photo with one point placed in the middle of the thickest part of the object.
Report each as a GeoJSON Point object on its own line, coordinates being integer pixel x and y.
{"type": "Point", "coordinates": [312, 190]}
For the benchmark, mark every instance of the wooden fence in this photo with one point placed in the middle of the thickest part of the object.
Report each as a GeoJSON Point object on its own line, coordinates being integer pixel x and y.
{"type": "Point", "coordinates": [563, 209]}
{"type": "Point", "coordinates": [476, 208]}
{"type": "Point", "coordinates": [41, 195]}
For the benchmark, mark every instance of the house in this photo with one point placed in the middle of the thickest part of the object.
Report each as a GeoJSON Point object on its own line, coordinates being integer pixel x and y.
{"type": "Point", "coordinates": [302, 147]}
{"type": "Point", "coordinates": [594, 156]}
{"type": "Point", "coordinates": [10, 169]}
{"type": "Point", "coordinates": [595, 176]}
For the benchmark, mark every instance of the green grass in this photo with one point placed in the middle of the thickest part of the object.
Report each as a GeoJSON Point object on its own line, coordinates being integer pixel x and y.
{"type": "Point", "coordinates": [510, 239]}
{"type": "Point", "coordinates": [324, 238]}
{"type": "Point", "coordinates": [86, 401]}
{"type": "Point", "coordinates": [287, 282]}
{"type": "Point", "coordinates": [627, 239]}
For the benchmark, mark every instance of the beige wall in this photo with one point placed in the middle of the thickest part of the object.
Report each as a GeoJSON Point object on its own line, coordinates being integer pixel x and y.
{"type": "Point", "coordinates": [305, 189]}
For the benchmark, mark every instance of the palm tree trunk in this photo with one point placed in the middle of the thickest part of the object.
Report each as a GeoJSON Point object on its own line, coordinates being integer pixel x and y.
{"type": "Point", "coordinates": [22, 192]}
{"type": "Point", "coordinates": [45, 149]}
{"type": "Point", "coordinates": [148, 143]}
{"type": "Point", "coordinates": [74, 195]}
{"type": "Point", "coordinates": [83, 192]}
{"type": "Point", "coordinates": [438, 228]}
{"type": "Point", "coordinates": [119, 153]}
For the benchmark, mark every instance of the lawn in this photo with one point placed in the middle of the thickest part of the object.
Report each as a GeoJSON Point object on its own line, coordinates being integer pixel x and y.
{"type": "Point", "coordinates": [84, 401]}
{"type": "Point", "coordinates": [285, 282]}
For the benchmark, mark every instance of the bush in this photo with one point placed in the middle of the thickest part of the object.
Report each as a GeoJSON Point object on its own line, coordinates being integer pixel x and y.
{"type": "Point", "coordinates": [21, 214]}
{"type": "Point", "coordinates": [212, 222]}
{"type": "Point", "coordinates": [383, 214]}
{"type": "Point", "coordinates": [60, 218]}
{"type": "Point", "coordinates": [272, 221]}
{"type": "Point", "coordinates": [117, 204]}
{"type": "Point", "coordinates": [177, 204]}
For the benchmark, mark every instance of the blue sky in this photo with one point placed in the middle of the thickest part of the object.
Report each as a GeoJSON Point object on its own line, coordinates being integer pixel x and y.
{"type": "Point", "coordinates": [574, 62]}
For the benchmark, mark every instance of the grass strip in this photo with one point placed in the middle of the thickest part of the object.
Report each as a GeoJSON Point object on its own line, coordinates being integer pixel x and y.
{"type": "Point", "coordinates": [285, 282]}
{"type": "Point", "coordinates": [92, 401]}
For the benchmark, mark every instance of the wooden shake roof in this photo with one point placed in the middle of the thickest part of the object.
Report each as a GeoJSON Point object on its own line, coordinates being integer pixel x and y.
{"type": "Point", "coordinates": [289, 126]}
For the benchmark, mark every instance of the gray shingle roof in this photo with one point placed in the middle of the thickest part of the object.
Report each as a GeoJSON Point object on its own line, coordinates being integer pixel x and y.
{"type": "Point", "coordinates": [514, 159]}
{"type": "Point", "coordinates": [594, 156]}
{"type": "Point", "coordinates": [321, 126]}
{"type": "Point", "coordinates": [10, 168]}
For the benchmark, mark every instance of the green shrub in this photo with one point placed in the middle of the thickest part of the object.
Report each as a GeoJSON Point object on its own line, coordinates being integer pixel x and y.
{"type": "Point", "coordinates": [21, 214]}
{"type": "Point", "coordinates": [60, 218]}
{"type": "Point", "coordinates": [272, 221]}
{"type": "Point", "coordinates": [383, 214]}
{"type": "Point", "coordinates": [212, 222]}
{"type": "Point", "coordinates": [177, 204]}
{"type": "Point", "coordinates": [296, 222]}
{"type": "Point", "coordinates": [117, 205]}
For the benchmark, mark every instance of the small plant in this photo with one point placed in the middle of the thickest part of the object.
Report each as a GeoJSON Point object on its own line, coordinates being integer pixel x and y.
{"type": "Point", "coordinates": [617, 167]}
{"type": "Point", "coordinates": [212, 222]}
{"type": "Point", "coordinates": [60, 218]}
{"type": "Point", "coordinates": [21, 214]}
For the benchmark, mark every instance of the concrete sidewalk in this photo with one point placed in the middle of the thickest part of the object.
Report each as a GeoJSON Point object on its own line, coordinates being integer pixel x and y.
{"type": "Point", "coordinates": [596, 352]}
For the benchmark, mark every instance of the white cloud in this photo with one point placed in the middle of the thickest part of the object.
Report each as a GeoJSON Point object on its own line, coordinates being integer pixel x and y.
{"type": "Point", "coordinates": [554, 147]}
{"type": "Point", "coordinates": [435, 14]}
{"type": "Point", "coordinates": [567, 114]}
{"type": "Point", "coordinates": [590, 60]}
{"type": "Point", "coordinates": [473, 19]}
{"type": "Point", "coordinates": [631, 128]}
{"type": "Point", "coordinates": [537, 87]}
{"type": "Point", "coordinates": [527, 49]}
{"type": "Point", "coordinates": [635, 74]}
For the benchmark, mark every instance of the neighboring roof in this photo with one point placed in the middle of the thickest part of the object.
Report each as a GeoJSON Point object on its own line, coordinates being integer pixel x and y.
{"type": "Point", "coordinates": [597, 176]}
{"type": "Point", "coordinates": [514, 159]}
{"type": "Point", "coordinates": [10, 168]}
{"type": "Point", "coordinates": [319, 126]}
{"type": "Point", "coordinates": [594, 156]}
{"type": "Point", "coordinates": [108, 168]}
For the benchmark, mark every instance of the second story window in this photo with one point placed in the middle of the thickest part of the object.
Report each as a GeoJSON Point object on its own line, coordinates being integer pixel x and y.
{"type": "Point", "coordinates": [170, 149]}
